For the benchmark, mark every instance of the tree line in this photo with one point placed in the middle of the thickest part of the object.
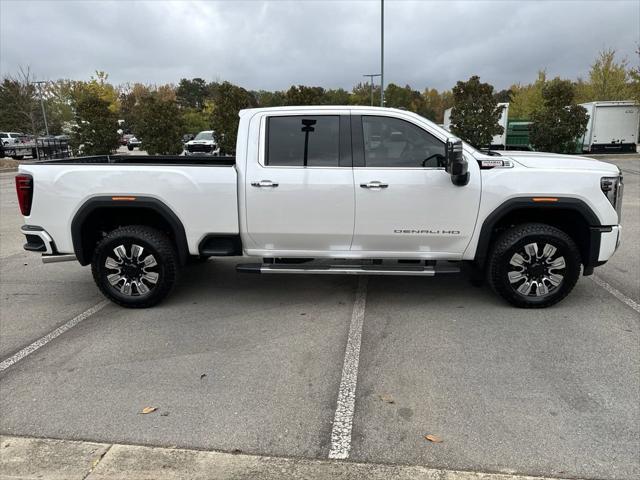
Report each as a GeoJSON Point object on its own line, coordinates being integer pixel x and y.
{"type": "Point", "coordinates": [161, 114]}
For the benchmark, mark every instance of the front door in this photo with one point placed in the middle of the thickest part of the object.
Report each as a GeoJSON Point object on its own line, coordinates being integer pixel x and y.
{"type": "Point", "coordinates": [299, 195]}
{"type": "Point", "coordinates": [406, 204]}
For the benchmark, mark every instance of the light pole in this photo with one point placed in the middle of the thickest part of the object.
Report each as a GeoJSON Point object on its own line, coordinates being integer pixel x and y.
{"type": "Point", "coordinates": [382, 53]}
{"type": "Point", "coordinates": [371, 75]}
{"type": "Point", "coordinates": [44, 113]}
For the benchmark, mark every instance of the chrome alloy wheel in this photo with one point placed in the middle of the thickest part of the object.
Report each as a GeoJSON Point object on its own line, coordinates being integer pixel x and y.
{"type": "Point", "coordinates": [534, 273]}
{"type": "Point", "coordinates": [132, 274]}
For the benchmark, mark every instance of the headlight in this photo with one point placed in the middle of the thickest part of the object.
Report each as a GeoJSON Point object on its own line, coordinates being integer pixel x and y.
{"type": "Point", "coordinates": [612, 187]}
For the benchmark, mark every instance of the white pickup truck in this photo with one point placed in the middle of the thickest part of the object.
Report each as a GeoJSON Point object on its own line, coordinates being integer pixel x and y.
{"type": "Point", "coordinates": [204, 143]}
{"type": "Point", "coordinates": [329, 190]}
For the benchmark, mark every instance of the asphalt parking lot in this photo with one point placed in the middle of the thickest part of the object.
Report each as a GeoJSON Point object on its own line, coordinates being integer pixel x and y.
{"type": "Point", "coordinates": [254, 363]}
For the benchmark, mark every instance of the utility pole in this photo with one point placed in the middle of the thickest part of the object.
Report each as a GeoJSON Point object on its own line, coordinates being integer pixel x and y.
{"type": "Point", "coordinates": [44, 113]}
{"type": "Point", "coordinates": [371, 75]}
{"type": "Point", "coordinates": [382, 53]}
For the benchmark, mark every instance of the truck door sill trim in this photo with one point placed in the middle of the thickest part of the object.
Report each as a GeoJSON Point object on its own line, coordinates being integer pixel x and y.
{"type": "Point", "coordinates": [427, 271]}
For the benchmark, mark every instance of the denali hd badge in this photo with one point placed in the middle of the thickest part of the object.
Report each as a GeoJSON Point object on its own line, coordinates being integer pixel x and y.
{"type": "Point", "coordinates": [427, 232]}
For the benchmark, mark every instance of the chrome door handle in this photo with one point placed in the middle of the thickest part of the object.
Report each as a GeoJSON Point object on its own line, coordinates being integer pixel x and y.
{"type": "Point", "coordinates": [264, 183]}
{"type": "Point", "coordinates": [374, 185]}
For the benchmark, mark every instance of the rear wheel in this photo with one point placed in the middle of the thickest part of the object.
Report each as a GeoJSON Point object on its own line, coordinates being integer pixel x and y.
{"type": "Point", "coordinates": [135, 266]}
{"type": "Point", "coordinates": [534, 265]}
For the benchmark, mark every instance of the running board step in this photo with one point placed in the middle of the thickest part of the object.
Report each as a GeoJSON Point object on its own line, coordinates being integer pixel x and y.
{"type": "Point", "coordinates": [428, 271]}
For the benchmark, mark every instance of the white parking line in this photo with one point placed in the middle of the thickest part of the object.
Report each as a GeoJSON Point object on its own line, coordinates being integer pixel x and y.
{"type": "Point", "coordinates": [41, 342]}
{"type": "Point", "coordinates": [617, 293]}
{"type": "Point", "coordinates": [343, 419]}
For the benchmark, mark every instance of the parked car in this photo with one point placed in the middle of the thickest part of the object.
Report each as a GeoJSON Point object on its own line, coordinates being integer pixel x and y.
{"type": "Point", "coordinates": [204, 143]}
{"type": "Point", "coordinates": [133, 142]}
{"type": "Point", "coordinates": [10, 138]}
{"type": "Point", "coordinates": [329, 190]}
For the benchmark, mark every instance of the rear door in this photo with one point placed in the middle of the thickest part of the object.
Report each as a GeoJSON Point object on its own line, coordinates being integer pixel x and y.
{"type": "Point", "coordinates": [300, 194]}
{"type": "Point", "coordinates": [615, 124]}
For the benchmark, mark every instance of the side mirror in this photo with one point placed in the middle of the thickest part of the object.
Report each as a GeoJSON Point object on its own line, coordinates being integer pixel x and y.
{"type": "Point", "coordinates": [457, 166]}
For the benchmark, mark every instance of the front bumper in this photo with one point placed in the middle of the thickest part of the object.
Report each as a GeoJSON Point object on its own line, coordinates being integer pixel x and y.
{"type": "Point", "coordinates": [211, 153]}
{"type": "Point", "coordinates": [609, 243]}
{"type": "Point", "coordinates": [603, 243]}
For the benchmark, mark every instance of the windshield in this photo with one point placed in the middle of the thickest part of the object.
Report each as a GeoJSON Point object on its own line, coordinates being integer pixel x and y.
{"type": "Point", "coordinates": [204, 136]}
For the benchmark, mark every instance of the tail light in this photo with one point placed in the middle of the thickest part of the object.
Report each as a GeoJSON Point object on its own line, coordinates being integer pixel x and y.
{"type": "Point", "coordinates": [24, 189]}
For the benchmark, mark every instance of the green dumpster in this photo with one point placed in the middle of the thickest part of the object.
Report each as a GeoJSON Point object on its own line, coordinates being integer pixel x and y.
{"type": "Point", "coordinates": [518, 135]}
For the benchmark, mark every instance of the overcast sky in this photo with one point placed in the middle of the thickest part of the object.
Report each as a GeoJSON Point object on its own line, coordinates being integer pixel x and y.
{"type": "Point", "coordinates": [274, 44]}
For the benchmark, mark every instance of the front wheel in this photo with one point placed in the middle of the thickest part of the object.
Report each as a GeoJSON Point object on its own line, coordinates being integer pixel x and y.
{"type": "Point", "coordinates": [135, 266]}
{"type": "Point", "coordinates": [533, 265]}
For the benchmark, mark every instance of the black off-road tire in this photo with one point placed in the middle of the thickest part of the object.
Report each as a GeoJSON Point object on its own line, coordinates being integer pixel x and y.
{"type": "Point", "coordinates": [154, 243]}
{"type": "Point", "coordinates": [514, 240]}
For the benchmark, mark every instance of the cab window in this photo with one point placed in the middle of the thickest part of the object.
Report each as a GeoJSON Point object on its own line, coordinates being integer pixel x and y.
{"type": "Point", "coordinates": [392, 142]}
{"type": "Point", "coordinates": [303, 141]}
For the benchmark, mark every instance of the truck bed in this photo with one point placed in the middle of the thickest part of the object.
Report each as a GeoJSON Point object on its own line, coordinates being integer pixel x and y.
{"type": "Point", "coordinates": [201, 191]}
{"type": "Point", "coordinates": [193, 160]}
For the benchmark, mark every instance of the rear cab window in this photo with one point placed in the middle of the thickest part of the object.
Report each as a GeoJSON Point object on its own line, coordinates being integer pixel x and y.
{"type": "Point", "coordinates": [307, 141]}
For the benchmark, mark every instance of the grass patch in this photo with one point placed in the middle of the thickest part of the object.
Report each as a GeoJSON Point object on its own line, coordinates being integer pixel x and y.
{"type": "Point", "coordinates": [9, 163]}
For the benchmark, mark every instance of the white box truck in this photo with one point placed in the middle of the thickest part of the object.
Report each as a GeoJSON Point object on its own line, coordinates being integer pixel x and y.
{"type": "Point", "coordinates": [498, 142]}
{"type": "Point", "coordinates": [613, 126]}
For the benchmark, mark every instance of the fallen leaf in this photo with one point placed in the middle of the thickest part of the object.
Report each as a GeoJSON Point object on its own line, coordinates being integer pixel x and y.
{"type": "Point", "coordinates": [387, 398]}
{"type": "Point", "coordinates": [433, 438]}
{"type": "Point", "coordinates": [146, 410]}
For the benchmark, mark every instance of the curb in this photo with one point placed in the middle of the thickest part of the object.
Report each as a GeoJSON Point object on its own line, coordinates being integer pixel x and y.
{"type": "Point", "coordinates": [28, 458]}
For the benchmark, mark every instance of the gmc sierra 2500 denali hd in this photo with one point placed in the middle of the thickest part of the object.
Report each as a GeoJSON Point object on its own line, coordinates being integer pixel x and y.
{"type": "Point", "coordinates": [329, 190]}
